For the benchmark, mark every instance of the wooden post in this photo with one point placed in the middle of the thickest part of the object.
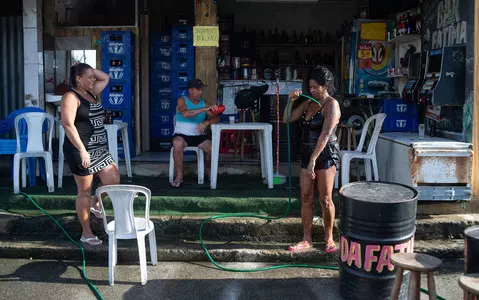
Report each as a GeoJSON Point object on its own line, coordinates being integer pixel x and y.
{"type": "Point", "coordinates": [475, 118]}
{"type": "Point", "coordinates": [205, 59]}
{"type": "Point", "coordinates": [145, 82]}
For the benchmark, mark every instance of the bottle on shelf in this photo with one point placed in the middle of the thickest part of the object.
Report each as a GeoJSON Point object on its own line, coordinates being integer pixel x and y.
{"type": "Point", "coordinates": [301, 38]}
{"type": "Point", "coordinates": [295, 37]}
{"type": "Point", "coordinates": [297, 58]}
{"type": "Point", "coordinates": [408, 24]}
{"type": "Point", "coordinates": [309, 37]}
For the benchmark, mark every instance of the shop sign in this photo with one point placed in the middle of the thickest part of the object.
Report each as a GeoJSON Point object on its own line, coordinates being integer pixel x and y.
{"type": "Point", "coordinates": [450, 30]}
{"type": "Point", "coordinates": [206, 36]}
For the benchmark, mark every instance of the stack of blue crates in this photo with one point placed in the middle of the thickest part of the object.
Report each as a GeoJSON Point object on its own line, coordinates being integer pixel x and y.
{"type": "Point", "coordinates": [401, 116]}
{"type": "Point", "coordinates": [162, 104]}
{"type": "Point", "coordinates": [183, 59]}
{"type": "Point", "coordinates": [118, 61]}
{"type": "Point", "coordinates": [172, 66]}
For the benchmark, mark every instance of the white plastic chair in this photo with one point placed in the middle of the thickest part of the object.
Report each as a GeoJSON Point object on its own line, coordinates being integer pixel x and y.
{"type": "Point", "coordinates": [35, 148]}
{"type": "Point", "coordinates": [200, 159]}
{"type": "Point", "coordinates": [126, 226]}
{"type": "Point", "coordinates": [200, 155]}
{"type": "Point", "coordinates": [368, 156]}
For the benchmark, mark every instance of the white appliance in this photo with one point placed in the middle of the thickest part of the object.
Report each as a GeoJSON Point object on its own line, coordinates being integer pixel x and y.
{"type": "Point", "coordinates": [439, 169]}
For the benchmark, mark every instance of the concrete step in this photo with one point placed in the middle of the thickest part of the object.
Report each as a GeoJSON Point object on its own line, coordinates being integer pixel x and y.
{"type": "Point", "coordinates": [31, 247]}
{"type": "Point", "coordinates": [287, 230]}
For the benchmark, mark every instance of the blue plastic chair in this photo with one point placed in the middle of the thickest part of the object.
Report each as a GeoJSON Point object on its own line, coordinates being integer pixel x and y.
{"type": "Point", "coordinates": [9, 146]}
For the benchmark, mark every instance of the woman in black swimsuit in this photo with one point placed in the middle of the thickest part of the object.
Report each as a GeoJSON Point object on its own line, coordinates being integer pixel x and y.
{"type": "Point", "coordinates": [319, 153]}
{"type": "Point", "coordinates": [86, 148]}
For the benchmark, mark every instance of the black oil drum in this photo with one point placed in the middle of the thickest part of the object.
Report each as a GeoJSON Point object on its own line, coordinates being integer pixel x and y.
{"type": "Point", "coordinates": [377, 219]}
{"type": "Point", "coordinates": [471, 250]}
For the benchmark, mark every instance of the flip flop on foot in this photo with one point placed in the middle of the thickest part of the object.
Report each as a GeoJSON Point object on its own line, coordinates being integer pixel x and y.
{"type": "Point", "coordinates": [301, 246]}
{"type": "Point", "coordinates": [176, 183]}
{"type": "Point", "coordinates": [97, 212]}
{"type": "Point", "coordinates": [94, 241]}
{"type": "Point", "coordinates": [331, 247]}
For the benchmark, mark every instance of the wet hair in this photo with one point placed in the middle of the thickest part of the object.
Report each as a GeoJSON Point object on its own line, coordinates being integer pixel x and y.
{"type": "Point", "coordinates": [77, 70]}
{"type": "Point", "coordinates": [323, 77]}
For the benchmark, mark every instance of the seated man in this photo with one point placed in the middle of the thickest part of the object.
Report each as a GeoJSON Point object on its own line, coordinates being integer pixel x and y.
{"type": "Point", "coordinates": [192, 120]}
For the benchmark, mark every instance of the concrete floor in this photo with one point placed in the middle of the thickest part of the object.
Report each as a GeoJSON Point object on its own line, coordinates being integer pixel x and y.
{"type": "Point", "coordinates": [23, 279]}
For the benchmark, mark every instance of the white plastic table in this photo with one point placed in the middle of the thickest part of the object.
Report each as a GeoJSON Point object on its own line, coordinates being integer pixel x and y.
{"type": "Point", "coordinates": [112, 130]}
{"type": "Point", "coordinates": [265, 142]}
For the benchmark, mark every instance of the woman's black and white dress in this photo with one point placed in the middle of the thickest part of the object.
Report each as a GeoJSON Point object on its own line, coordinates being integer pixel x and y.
{"type": "Point", "coordinates": [89, 124]}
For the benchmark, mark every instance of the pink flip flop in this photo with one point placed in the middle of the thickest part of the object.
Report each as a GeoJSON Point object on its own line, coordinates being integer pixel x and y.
{"type": "Point", "coordinates": [301, 246]}
{"type": "Point", "coordinates": [331, 248]}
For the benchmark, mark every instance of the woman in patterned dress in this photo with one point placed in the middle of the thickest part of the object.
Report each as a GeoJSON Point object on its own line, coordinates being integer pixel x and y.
{"type": "Point", "coordinates": [86, 146]}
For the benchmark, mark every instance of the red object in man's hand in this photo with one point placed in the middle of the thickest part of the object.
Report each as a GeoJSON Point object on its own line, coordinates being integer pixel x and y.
{"type": "Point", "coordinates": [221, 108]}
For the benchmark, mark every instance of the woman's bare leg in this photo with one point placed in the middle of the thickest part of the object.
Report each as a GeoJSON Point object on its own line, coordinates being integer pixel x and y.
{"type": "Point", "coordinates": [325, 179]}
{"type": "Point", "coordinates": [84, 186]}
{"type": "Point", "coordinates": [306, 184]}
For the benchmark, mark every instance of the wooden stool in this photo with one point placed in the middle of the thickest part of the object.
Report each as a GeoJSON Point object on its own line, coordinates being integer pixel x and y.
{"type": "Point", "coordinates": [351, 137]}
{"type": "Point", "coordinates": [470, 284]}
{"type": "Point", "coordinates": [415, 263]}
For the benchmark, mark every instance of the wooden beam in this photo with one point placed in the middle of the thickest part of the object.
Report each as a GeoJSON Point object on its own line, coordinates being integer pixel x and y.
{"type": "Point", "coordinates": [145, 82]}
{"type": "Point", "coordinates": [205, 59]}
{"type": "Point", "coordinates": [475, 129]}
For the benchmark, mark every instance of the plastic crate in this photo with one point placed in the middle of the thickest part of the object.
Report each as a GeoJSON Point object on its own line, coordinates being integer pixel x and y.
{"type": "Point", "coordinates": [128, 117]}
{"type": "Point", "coordinates": [183, 63]}
{"type": "Point", "coordinates": [179, 91]}
{"type": "Point", "coordinates": [160, 39]}
{"type": "Point", "coordinates": [163, 105]}
{"type": "Point", "coordinates": [398, 107]}
{"type": "Point", "coordinates": [117, 43]}
{"type": "Point", "coordinates": [182, 34]}
{"type": "Point", "coordinates": [159, 91]}
{"type": "Point", "coordinates": [118, 95]}
{"type": "Point", "coordinates": [161, 79]}
{"type": "Point", "coordinates": [161, 66]}
{"type": "Point", "coordinates": [162, 118]}
{"type": "Point", "coordinates": [181, 79]}
{"type": "Point", "coordinates": [117, 68]}
{"type": "Point", "coordinates": [161, 144]}
{"type": "Point", "coordinates": [160, 52]}
{"type": "Point", "coordinates": [162, 131]}
{"type": "Point", "coordinates": [229, 143]}
{"type": "Point", "coordinates": [400, 123]}
{"type": "Point", "coordinates": [184, 49]}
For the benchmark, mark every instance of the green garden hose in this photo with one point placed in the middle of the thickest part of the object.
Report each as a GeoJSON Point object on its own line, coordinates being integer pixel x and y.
{"type": "Point", "coordinates": [285, 214]}
{"type": "Point", "coordinates": [223, 216]}
{"type": "Point", "coordinates": [91, 285]}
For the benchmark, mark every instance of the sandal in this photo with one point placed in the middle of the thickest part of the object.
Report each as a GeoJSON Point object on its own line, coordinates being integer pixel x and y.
{"type": "Point", "coordinates": [331, 247]}
{"type": "Point", "coordinates": [176, 183]}
{"type": "Point", "coordinates": [96, 212]}
{"type": "Point", "coordinates": [94, 241]}
{"type": "Point", "coordinates": [301, 246]}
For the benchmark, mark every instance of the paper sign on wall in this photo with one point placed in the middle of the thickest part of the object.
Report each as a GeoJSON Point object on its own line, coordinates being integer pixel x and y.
{"type": "Point", "coordinates": [206, 36]}
{"type": "Point", "coordinates": [374, 31]}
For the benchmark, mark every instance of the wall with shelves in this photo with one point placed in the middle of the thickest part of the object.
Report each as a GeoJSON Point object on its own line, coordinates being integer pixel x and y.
{"type": "Point", "coordinates": [327, 16]}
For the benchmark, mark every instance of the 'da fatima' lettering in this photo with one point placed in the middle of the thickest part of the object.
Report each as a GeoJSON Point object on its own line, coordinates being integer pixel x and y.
{"type": "Point", "coordinates": [450, 29]}
{"type": "Point", "coordinates": [372, 258]}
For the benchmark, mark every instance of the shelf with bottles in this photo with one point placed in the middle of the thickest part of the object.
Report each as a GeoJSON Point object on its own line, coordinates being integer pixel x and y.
{"type": "Point", "coordinates": [311, 38]}
{"type": "Point", "coordinates": [272, 45]}
{"type": "Point", "coordinates": [405, 38]}
{"type": "Point", "coordinates": [407, 27]}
